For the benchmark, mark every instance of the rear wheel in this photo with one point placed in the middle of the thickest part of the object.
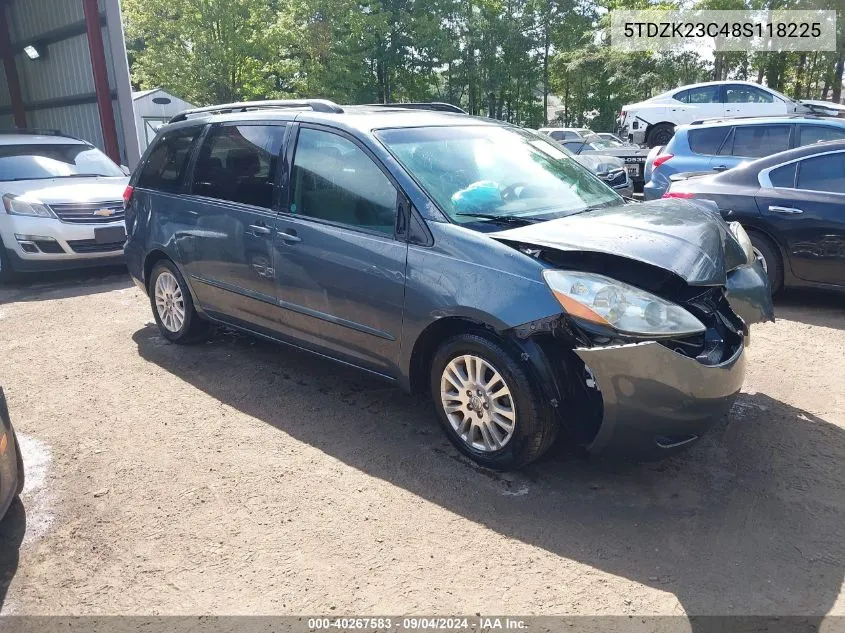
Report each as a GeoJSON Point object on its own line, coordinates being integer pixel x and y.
{"type": "Point", "coordinates": [488, 404]}
{"type": "Point", "coordinates": [770, 258]}
{"type": "Point", "coordinates": [173, 307]}
{"type": "Point", "coordinates": [660, 134]}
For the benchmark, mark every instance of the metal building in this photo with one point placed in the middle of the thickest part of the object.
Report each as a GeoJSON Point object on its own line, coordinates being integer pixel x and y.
{"type": "Point", "coordinates": [154, 108]}
{"type": "Point", "coordinates": [65, 68]}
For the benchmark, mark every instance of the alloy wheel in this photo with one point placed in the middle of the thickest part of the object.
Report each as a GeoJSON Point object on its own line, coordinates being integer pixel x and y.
{"type": "Point", "coordinates": [170, 303]}
{"type": "Point", "coordinates": [478, 403]}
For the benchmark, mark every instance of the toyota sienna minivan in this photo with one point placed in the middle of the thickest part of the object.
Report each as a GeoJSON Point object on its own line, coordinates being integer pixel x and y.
{"type": "Point", "coordinates": [457, 256]}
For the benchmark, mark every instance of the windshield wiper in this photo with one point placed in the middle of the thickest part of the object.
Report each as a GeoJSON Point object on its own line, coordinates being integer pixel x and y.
{"type": "Point", "coordinates": [502, 219]}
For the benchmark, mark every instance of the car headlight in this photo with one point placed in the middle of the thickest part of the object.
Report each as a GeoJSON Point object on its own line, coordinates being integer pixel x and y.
{"type": "Point", "coordinates": [744, 241]}
{"type": "Point", "coordinates": [629, 310]}
{"type": "Point", "coordinates": [17, 206]}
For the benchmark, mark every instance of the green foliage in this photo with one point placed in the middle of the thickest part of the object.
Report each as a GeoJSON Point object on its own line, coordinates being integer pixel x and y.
{"type": "Point", "coordinates": [497, 58]}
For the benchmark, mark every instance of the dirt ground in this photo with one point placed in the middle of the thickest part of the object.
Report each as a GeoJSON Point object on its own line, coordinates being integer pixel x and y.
{"type": "Point", "coordinates": [236, 477]}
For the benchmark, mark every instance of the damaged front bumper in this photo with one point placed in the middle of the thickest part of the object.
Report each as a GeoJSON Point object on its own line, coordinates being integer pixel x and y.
{"type": "Point", "coordinates": [655, 400]}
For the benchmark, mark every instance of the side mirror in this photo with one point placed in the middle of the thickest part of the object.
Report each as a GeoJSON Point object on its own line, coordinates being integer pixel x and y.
{"type": "Point", "coordinates": [126, 171]}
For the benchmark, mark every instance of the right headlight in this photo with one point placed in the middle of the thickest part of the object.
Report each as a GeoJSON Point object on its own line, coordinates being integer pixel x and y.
{"type": "Point", "coordinates": [627, 309]}
{"type": "Point", "coordinates": [17, 206]}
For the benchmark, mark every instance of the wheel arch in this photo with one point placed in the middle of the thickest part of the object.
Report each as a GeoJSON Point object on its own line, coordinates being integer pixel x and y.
{"type": "Point", "coordinates": [428, 341]}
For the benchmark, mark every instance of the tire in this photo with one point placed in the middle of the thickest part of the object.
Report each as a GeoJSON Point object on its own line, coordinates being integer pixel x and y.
{"type": "Point", "coordinates": [7, 273]}
{"type": "Point", "coordinates": [768, 252]}
{"type": "Point", "coordinates": [534, 424]}
{"type": "Point", "coordinates": [174, 294]}
{"type": "Point", "coordinates": [660, 134]}
{"type": "Point", "coordinates": [21, 471]}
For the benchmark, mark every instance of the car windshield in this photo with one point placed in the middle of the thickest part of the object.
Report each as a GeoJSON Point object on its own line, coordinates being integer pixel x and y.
{"type": "Point", "coordinates": [597, 142]}
{"type": "Point", "coordinates": [41, 161]}
{"type": "Point", "coordinates": [496, 170]}
{"type": "Point", "coordinates": [611, 142]}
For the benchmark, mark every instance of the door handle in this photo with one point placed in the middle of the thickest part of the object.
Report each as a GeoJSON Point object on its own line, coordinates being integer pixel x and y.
{"type": "Point", "coordinates": [720, 168]}
{"type": "Point", "coordinates": [786, 210]}
{"type": "Point", "coordinates": [260, 229]}
{"type": "Point", "coordinates": [291, 236]}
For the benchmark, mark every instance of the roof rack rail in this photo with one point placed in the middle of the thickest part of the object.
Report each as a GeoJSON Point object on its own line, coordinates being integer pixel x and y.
{"type": "Point", "coordinates": [317, 105]}
{"type": "Point", "coordinates": [438, 106]}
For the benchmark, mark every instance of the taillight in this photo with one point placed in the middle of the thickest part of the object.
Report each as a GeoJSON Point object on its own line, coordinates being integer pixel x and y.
{"type": "Point", "coordinates": [127, 194]}
{"type": "Point", "coordinates": [622, 115]}
{"type": "Point", "coordinates": [661, 159]}
{"type": "Point", "coordinates": [678, 194]}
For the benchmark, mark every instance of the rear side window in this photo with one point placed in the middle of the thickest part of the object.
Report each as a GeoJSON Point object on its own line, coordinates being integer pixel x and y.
{"type": "Point", "coordinates": [783, 177]}
{"type": "Point", "coordinates": [706, 94]}
{"type": "Point", "coordinates": [756, 141]}
{"type": "Point", "coordinates": [238, 163]}
{"type": "Point", "coordinates": [165, 168]}
{"type": "Point", "coordinates": [815, 133]}
{"type": "Point", "coordinates": [707, 140]}
{"type": "Point", "coordinates": [823, 173]}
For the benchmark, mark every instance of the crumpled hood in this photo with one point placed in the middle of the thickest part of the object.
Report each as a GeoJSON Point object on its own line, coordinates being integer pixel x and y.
{"type": "Point", "coordinates": [68, 190]}
{"type": "Point", "coordinates": [686, 237]}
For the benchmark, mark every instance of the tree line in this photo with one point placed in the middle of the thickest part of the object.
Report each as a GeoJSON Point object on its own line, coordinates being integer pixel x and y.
{"type": "Point", "coordinates": [506, 59]}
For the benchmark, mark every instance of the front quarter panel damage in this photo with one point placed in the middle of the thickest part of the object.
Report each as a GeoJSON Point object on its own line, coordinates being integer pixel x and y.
{"type": "Point", "coordinates": [748, 293]}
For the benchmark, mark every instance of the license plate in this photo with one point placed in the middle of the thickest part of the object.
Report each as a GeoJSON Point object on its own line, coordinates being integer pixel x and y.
{"type": "Point", "coordinates": [110, 235]}
{"type": "Point", "coordinates": [633, 170]}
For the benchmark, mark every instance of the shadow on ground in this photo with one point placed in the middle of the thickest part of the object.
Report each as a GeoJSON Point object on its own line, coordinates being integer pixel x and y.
{"type": "Point", "coordinates": [822, 309]}
{"type": "Point", "coordinates": [64, 284]}
{"type": "Point", "coordinates": [750, 521]}
{"type": "Point", "coordinates": [12, 530]}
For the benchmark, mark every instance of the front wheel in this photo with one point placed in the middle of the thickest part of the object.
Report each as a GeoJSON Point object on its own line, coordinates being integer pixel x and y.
{"type": "Point", "coordinates": [489, 405]}
{"type": "Point", "coordinates": [7, 273]}
{"type": "Point", "coordinates": [172, 305]}
{"type": "Point", "coordinates": [660, 134]}
{"type": "Point", "coordinates": [769, 256]}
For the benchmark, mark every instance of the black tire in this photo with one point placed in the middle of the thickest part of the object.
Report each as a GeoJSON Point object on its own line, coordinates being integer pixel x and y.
{"type": "Point", "coordinates": [7, 273]}
{"type": "Point", "coordinates": [536, 424]}
{"type": "Point", "coordinates": [660, 134]}
{"type": "Point", "coordinates": [21, 471]}
{"type": "Point", "coordinates": [193, 328]}
{"type": "Point", "coordinates": [770, 254]}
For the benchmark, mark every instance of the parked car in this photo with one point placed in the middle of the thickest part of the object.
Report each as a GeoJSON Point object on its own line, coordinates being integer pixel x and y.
{"type": "Point", "coordinates": [561, 134]}
{"type": "Point", "coordinates": [721, 144]}
{"type": "Point", "coordinates": [633, 156]}
{"type": "Point", "coordinates": [11, 461]}
{"type": "Point", "coordinates": [617, 142]}
{"type": "Point", "coordinates": [453, 255]}
{"type": "Point", "coordinates": [611, 169]}
{"type": "Point", "coordinates": [652, 122]}
{"type": "Point", "coordinates": [792, 205]}
{"type": "Point", "coordinates": [62, 205]}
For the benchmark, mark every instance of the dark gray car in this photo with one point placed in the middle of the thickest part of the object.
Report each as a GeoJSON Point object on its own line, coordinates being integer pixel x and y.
{"type": "Point", "coordinates": [455, 256]}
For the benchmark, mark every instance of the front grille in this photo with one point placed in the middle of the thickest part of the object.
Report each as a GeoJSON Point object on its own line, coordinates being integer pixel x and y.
{"type": "Point", "coordinates": [88, 212]}
{"type": "Point", "coordinates": [91, 246]}
{"type": "Point", "coordinates": [616, 180]}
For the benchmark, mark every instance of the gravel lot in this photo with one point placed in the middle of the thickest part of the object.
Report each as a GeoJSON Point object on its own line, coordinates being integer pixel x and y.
{"type": "Point", "coordinates": [239, 477]}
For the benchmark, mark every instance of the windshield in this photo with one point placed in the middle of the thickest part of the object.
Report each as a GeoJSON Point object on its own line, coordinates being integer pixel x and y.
{"type": "Point", "coordinates": [37, 162]}
{"type": "Point", "coordinates": [496, 170]}
{"type": "Point", "coordinates": [611, 142]}
{"type": "Point", "coordinates": [597, 142]}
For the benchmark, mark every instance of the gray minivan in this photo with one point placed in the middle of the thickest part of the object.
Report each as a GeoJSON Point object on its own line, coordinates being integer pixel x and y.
{"type": "Point", "coordinates": [452, 255]}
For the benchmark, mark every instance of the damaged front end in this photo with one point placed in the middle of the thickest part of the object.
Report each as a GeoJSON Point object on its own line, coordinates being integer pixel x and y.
{"type": "Point", "coordinates": [634, 387]}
